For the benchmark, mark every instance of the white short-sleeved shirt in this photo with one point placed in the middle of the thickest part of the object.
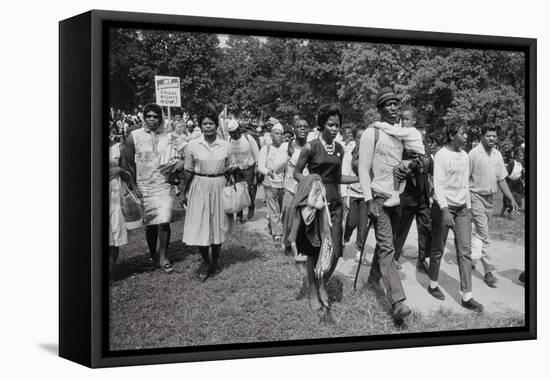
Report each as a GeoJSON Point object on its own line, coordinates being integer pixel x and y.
{"type": "Point", "coordinates": [486, 170]}
{"type": "Point", "coordinates": [241, 151]}
{"type": "Point", "coordinates": [205, 158]}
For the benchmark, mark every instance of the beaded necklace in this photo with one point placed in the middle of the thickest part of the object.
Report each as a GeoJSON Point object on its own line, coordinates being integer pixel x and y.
{"type": "Point", "coordinates": [329, 148]}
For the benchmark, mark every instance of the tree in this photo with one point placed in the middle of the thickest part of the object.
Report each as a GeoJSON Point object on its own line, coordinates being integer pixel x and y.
{"type": "Point", "coordinates": [136, 56]}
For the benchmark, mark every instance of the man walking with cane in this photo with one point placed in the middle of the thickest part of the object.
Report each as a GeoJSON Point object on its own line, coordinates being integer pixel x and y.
{"type": "Point", "coordinates": [376, 157]}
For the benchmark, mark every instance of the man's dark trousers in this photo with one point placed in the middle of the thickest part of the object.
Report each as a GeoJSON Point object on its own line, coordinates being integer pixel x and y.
{"type": "Point", "coordinates": [248, 175]}
{"type": "Point", "coordinates": [415, 204]}
{"type": "Point", "coordinates": [383, 262]}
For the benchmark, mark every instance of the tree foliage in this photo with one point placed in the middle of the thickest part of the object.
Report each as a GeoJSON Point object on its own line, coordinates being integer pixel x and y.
{"type": "Point", "coordinates": [260, 77]}
{"type": "Point", "coordinates": [136, 56]}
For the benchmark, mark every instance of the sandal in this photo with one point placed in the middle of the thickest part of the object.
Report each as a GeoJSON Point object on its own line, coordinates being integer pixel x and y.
{"type": "Point", "coordinates": [167, 268]}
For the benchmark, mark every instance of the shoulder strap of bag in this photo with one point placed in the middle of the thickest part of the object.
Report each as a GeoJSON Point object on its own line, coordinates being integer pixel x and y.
{"type": "Point", "coordinates": [355, 154]}
{"type": "Point", "coordinates": [376, 136]}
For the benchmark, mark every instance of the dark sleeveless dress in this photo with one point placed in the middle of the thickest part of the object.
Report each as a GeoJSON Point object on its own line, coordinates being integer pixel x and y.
{"type": "Point", "coordinates": [329, 167]}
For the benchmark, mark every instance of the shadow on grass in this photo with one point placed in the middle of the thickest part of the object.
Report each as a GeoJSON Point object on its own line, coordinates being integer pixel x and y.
{"type": "Point", "coordinates": [335, 289]}
{"type": "Point", "coordinates": [234, 254]}
{"type": "Point", "coordinates": [133, 265]}
{"type": "Point", "coordinates": [177, 252]}
{"type": "Point", "coordinates": [177, 214]}
{"type": "Point", "coordinates": [379, 294]}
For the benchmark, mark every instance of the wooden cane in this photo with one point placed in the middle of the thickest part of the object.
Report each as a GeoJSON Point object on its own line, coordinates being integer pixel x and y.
{"type": "Point", "coordinates": [369, 223]}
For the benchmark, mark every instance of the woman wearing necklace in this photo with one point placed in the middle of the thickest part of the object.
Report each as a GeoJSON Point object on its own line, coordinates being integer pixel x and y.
{"type": "Point", "coordinates": [206, 162]}
{"type": "Point", "coordinates": [323, 156]}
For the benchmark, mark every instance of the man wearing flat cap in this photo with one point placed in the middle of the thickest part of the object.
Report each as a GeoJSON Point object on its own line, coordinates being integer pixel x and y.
{"type": "Point", "coordinates": [243, 159]}
{"type": "Point", "coordinates": [379, 152]}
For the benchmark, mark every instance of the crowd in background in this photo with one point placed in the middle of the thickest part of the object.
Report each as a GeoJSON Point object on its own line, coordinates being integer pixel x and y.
{"type": "Point", "coordinates": [321, 180]}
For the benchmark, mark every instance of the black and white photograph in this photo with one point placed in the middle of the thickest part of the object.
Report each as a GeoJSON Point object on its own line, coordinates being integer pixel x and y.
{"type": "Point", "coordinates": [272, 189]}
{"type": "Point", "coordinates": [267, 189]}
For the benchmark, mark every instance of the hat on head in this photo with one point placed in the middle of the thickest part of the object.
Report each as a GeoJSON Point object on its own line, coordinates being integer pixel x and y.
{"type": "Point", "coordinates": [232, 125]}
{"type": "Point", "coordinates": [272, 120]}
{"type": "Point", "coordinates": [384, 95]}
{"type": "Point", "coordinates": [279, 127]}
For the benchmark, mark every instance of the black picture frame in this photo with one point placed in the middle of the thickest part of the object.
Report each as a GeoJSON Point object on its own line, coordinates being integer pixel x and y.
{"type": "Point", "coordinates": [83, 282]}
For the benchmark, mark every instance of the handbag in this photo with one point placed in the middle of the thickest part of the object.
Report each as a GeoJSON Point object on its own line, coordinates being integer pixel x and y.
{"type": "Point", "coordinates": [131, 208]}
{"type": "Point", "coordinates": [235, 197]}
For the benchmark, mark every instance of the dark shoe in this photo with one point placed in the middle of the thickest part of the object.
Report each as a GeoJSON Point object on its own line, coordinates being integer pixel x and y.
{"type": "Point", "coordinates": [400, 311]}
{"type": "Point", "coordinates": [250, 214]}
{"type": "Point", "coordinates": [490, 280]}
{"type": "Point", "coordinates": [422, 266]}
{"type": "Point", "coordinates": [214, 270]}
{"type": "Point", "coordinates": [473, 305]}
{"type": "Point", "coordinates": [203, 273]}
{"type": "Point", "coordinates": [521, 277]}
{"type": "Point", "coordinates": [436, 293]}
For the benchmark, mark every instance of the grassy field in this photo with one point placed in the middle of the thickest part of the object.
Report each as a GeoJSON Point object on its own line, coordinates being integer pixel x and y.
{"type": "Point", "coordinates": [510, 227]}
{"type": "Point", "coordinates": [258, 296]}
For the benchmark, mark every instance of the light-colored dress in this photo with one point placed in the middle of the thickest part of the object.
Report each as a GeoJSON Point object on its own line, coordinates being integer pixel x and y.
{"type": "Point", "coordinates": [117, 226]}
{"type": "Point", "coordinates": [206, 222]}
{"type": "Point", "coordinates": [151, 148]}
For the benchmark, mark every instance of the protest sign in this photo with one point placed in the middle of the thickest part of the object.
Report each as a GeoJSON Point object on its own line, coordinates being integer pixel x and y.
{"type": "Point", "coordinates": [168, 90]}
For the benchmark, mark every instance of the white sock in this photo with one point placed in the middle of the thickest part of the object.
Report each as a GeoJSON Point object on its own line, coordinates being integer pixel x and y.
{"type": "Point", "coordinates": [433, 284]}
{"type": "Point", "coordinates": [467, 296]}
